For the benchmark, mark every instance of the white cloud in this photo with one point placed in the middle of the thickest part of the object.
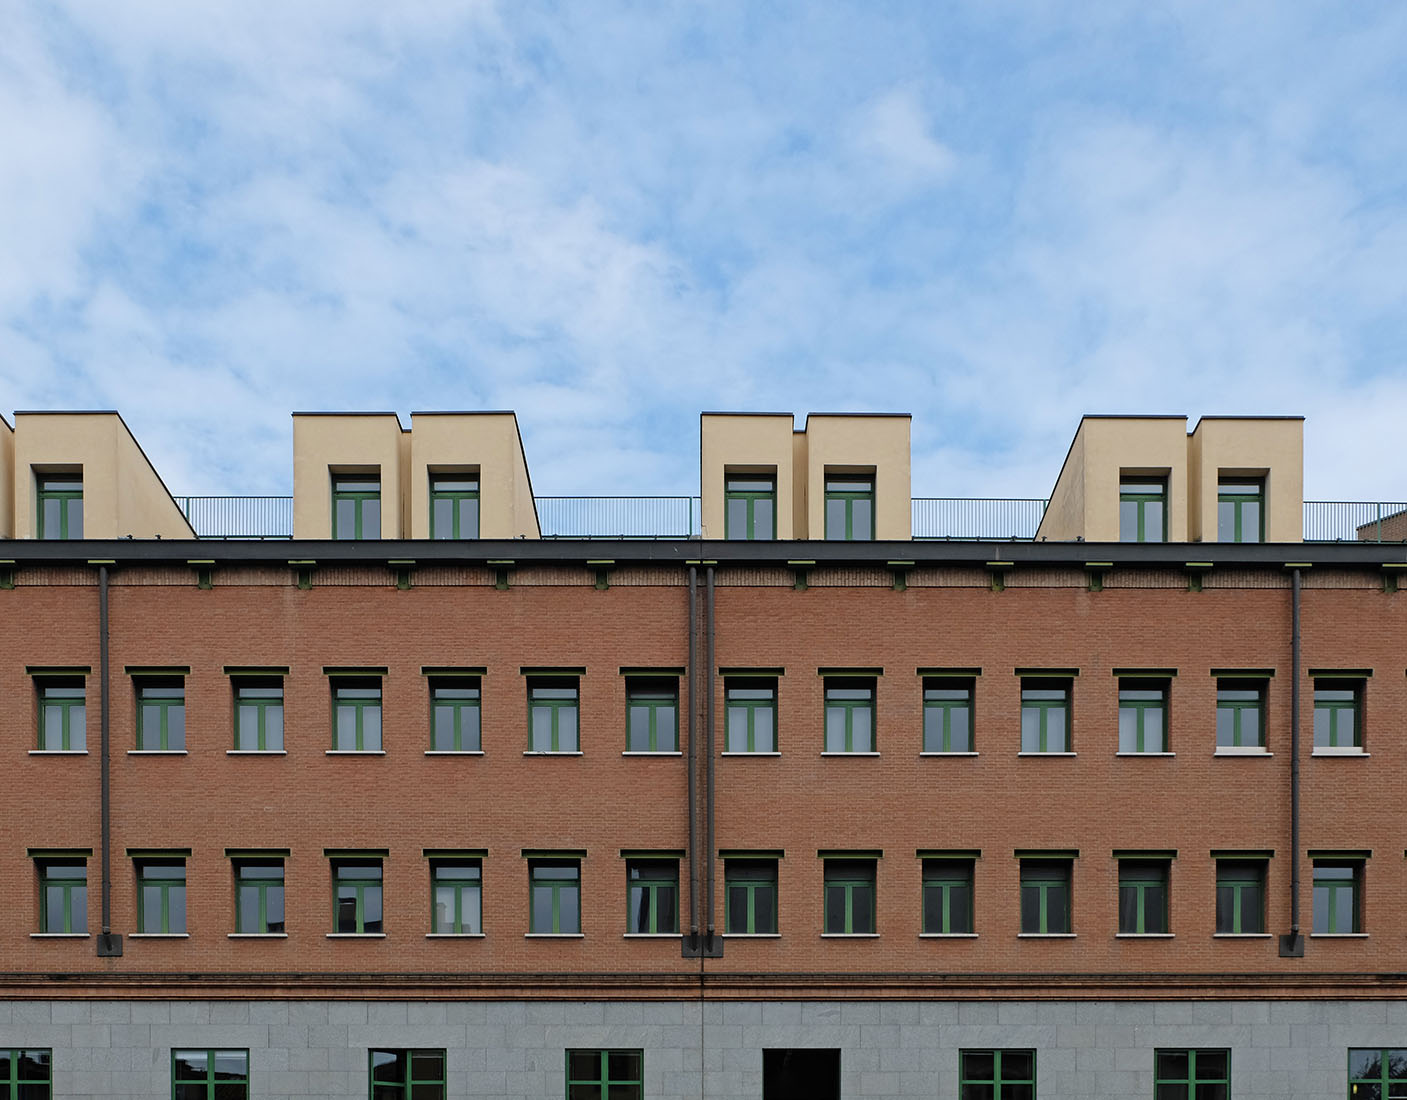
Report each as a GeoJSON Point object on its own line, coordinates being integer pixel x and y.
{"type": "Point", "coordinates": [894, 134]}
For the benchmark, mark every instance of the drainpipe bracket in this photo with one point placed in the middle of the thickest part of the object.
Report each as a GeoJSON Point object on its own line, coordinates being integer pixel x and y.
{"type": "Point", "coordinates": [1292, 945]}
{"type": "Point", "coordinates": [109, 945]}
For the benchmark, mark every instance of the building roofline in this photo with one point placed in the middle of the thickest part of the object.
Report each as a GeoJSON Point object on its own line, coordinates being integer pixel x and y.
{"type": "Point", "coordinates": [68, 412]}
{"type": "Point", "coordinates": [465, 412]}
{"type": "Point", "coordinates": [1226, 416]}
{"type": "Point", "coordinates": [325, 412]}
{"type": "Point", "coordinates": [875, 415]}
{"type": "Point", "coordinates": [720, 412]}
{"type": "Point", "coordinates": [6, 422]}
{"type": "Point", "coordinates": [1134, 416]}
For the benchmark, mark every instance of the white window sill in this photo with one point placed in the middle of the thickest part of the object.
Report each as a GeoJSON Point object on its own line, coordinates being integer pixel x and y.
{"type": "Point", "coordinates": [1045, 754]}
{"type": "Point", "coordinates": [735, 753]}
{"type": "Point", "coordinates": [849, 935]}
{"type": "Point", "coordinates": [454, 752]}
{"type": "Point", "coordinates": [1045, 935]}
{"type": "Point", "coordinates": [454, 935]}
{"type": "Point", "coordinates": [355, 752]}
{"type": "Point", "coordinates": [1338, 935]}
{"type": "Point", "coordinates": [651, 936]}
{"type": "Point", "coordinates": [257, 936]}
{"type": "Point", "coordinates": [752, 935]}
{"type": "Point", "coordinates": [156, 752]}
{"type": "Point", "coordinates": [1242, 936]}
{"type": "Point", "coordinates": [256, 752]}
{"type": "Point", "coordinates": [551, 752]}
{"type": "Point", "coordinates": [842, 753]}
{"type": "Point", "coordinates": [1143, 935]}
{"type": "Point", "coordinates": [1145, 754]}
{"type": "Point", "coordinates": [1331, 751]}
{"type": "Point", "coordinates": [58, 935]}
{"type": "Point", "coordinates": [158, 935]}
{"type": "Point", "coordinates": [356, 935]}
{"type": "Point", "coordinates": [652, 752]}
{"type": "Point", "coordinates": [947, 754]}
{"type": "Point", "coordinates": [947, 935]}
{"type": "Point", "coordinates": [58, 752]}
{"type": "Point", "coordinates": [1240, 750]}
{"type": "Point", "coordinates": [554, 936]}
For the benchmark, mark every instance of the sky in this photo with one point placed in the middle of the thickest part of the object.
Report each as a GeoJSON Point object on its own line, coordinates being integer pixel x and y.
{"type": "Point", "coordinates": [995, 215]}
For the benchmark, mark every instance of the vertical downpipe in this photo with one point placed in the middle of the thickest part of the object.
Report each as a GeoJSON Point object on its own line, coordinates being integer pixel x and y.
{"type": "Point", "coordinates": [1292, 946]}
{"type": "Point", "coordinates": [109, 946]}
{"type": "Point", "coordinates": [694, 905]}
{"type": "Point", "coordinates": [708, 747]}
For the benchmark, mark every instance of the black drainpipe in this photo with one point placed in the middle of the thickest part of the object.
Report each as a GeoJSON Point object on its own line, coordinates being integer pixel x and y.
{"type": "Point", "coordinates": [692, 946]}
{"type": "Point", "coordinates": [1292, 945]}
{"type": "Point", "coordinates": [712, 946]}
{"type": "Point", "coordinates": [109, 946]}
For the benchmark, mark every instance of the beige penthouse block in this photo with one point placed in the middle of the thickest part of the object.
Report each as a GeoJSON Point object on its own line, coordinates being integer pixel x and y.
{"type": "Point", "coordinates": [746, 443]}
{"type": "Point", "coordinates": [1267, 449]}
{"type": "Point", "coordinates": [328, 445]}
{"type": "Point", "coordinates": [122, 492]}
{"type": "Point", "coordinates": [7, 479]}
{"type": "Point", "coordinates": [867, 444]}
{"type": "Point", "coordinates": [485, 445]}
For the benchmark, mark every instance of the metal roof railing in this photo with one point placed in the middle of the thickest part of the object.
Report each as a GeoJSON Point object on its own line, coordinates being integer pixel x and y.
{"type": "Point", "coordinates": [1355, 521]}
{"type": "Point", "coordinates": [618, 517]}
{"type": "Point", "coordinates": [977, 518]}
{"type": "Point", "coordinates": [239, 517]}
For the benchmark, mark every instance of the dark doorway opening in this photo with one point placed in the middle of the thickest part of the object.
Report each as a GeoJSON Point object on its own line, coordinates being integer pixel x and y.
{"type": "Point", "coordinates": [801, 1074]}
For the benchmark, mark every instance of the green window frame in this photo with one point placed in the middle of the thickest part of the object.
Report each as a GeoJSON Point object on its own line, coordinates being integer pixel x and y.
{"type": "Point", "coordinates": [1240, 714]}
{"type": "Point", "coordinates": [209, 1074]}
{"type": "Point", "coordinates": [1143, 509]}
{"type": "Point", "coordinates": [1185, 1074]}
{"type": "Point", "coordinates": [457, 897]}
{"type": "Point", "coordinates": [1377, 1073]}
{"type": "Point", "coordinates": [406, 1074]}
{"type": "Point", "coordinates": [605, 1074]}
{"type": "Point", "coordinates": [652, 715]}
{"type": "Point", "coordinates": [62, 714]}
{"type": "Point", "coordinates": [1045, 897]}
{"type": "Point", "coordinates": [259, 897]}
{"type": "Point", "coordinates": [258, 714]}
{"type": "Point", "coordinates": [454, 506]}
{"type": "Point", "coordinates": [357, 898]}
{"type": "Point", "coordinates": [161, 714]}
{"type": "Point", "coordinates": [1240, 897]}
{"type": "Point", "coordinates": [849, 886]}
{"type": "Point", "coordinates": [63, 896]}
{"type": "Point", "coordinates": [1240, 510]}
{"type": "Point", "coordinates": [26, 1074]}
{"type": "Point", "coordinates": [850, 508]}
{"type": "Point", "coordinates": [356, 714]}
{"type": "Point", "coordinates": [750, 718]}
{"type": "Point", "coordinates": [59, 506]}
{"type": "Point", "coordinates": [1143, 897]}
{"type": "Point", "coordinates": [850, 715]}
{"type": "Point", "coordinates": [947, 714]}
{"type": "Point", "coordinates": [750, 507]}
{"type": "Point", "coordinates": [1045, 715]}
{"type": "Point", "coordinates": [161, 896]}
{"type": "Point", "coordinates": [455, 714]}
{"type": "Point", "coordinates": [554, 897]}
{"type": "Point", "coordinates": [997, 1074]}
{"type": "Point", "coordinates": [947, 897]}
{"type": "Point", "coordinates": [1338, 897]}
{"type": "Point", "coordinates": [1338, 714]}
{"type": "Point", "coordinates": [554, 714]}
{"type": "Point", "coordinates": [750, 897]}
{"type": "Point", "coordinates": [1143, 716]}
{"type": "Point", "coordinates": [652, 897]}
{"type": "Point", "coordinates": [356, 506]}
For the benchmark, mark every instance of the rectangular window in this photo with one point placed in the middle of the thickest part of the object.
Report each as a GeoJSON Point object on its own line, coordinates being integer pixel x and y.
{"type": "Point", "coordinates": [456, 889]}
{"type": "Point", "coordinates": [605, 1075]}
{"type": "Point", "coordinates": [1240, 897]}
{"type": "Point", "coordinates": [454, 506]}
{"type": "Point", "coordinates": [26, 1074]}
{"type": "Point", "coordinates": [751, 707]}
{"type": "Point", "coordinates": [356, 507]}
{"type": "Point", "coordinates": [356, 714]}
{"type": "Point", "coordinates": [62, 714]}
{"type": "Point", "coordinates": [161, 896]}
{"type": "Point", "coordinates": [947, 897]}
{"type": "Point", "coordinates": [947, 714]}
{"type": "Point", "coordinates": [850, 508]}
{"type": "Point", "coordinates": [850, 897]}
{"type": "Point", "coordinates": [1375, 1073]}
{"type": "Point", "coordinates": [1192, 1075]}
{"type": "Point", "coordinates": [1045, 897]}
{"type": "Point", "coordinates": [161, 714]}
{"type": "Point", "coordinates": [1338, 711]}
{"type": "Point", "coordinates": [751, 504]}
{"type": "Point", "coordinates": [259, 896]}
{"type": "Point", "coordinates": [998, 1074]}
{"type": "Point", "coordinates": [1240, 714]}
{"type": "Point", "coordinates": [1143, 897]}
{"type": "Point", "coordinates": [1143, 716]}
{"type": "Point", "coordinates": [553, 711]}
{"type": "Point", "coordinates": [850, 715]}
{"type": "Point", "coordinates": [407, 1074]}
{"type": "Point", "coordinates": [356, 896]}
{"type": "Point", "coordinates": [258, 703]}
{"type": "Point", "coordinates": [60, 505]}
{"type": "Point", "coordinates": [750, 896]}
{"type": "Point", "coordinates": [1143, 510]}
{"type": "Point", "coordinates": [63, 896]}
{"type": "Point", "coordinates": [1045, 715]}
{"type": "Point", "coordinates": [1240, 510]}
{"type": "Point", "coordinates": [454, 714]}
{"type": "Point", "coordinates": [801, 1073]}
{"type": "Point", "coordinates": [209, 1075]}
{"type": "Point", "coordinates": [653, 902]}
{"type": "Point", "coordinates": [1338, 888]}
{"type": "Point", "coordinates": [652, 714]}
{"type": "Point", "coordinates": [555, 901]}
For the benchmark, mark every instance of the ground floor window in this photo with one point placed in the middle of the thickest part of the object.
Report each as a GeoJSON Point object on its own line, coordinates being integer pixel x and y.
{"type": "Point", "coordinates": [1377, 1074]}
{"type": "Point", "coordinates": [208, 1075]}
{"type": "Point", "coordinates": [998, 1075]}
{"type": "Point", "coordinates": [407, 1074]}
{"type": "Point", "coordinates": [807, 1073]}
{"type": "Point", "coordinates": [25, 1074]}
{"type": "Point", "coordinates": [1193, 1075]}
{"type": "Point", "coordinates": [605, 1075]}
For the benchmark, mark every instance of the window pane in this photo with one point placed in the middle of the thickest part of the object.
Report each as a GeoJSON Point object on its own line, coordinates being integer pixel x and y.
{"type": "Point", "coordinates": [1128, 909]}
{"type": "Point", "coordinates": [835, 519]}
{"type": "Point", "coordinates": [762, 519]}
{"type": "Point", "coordinates": [1055, 730]}
{"type": "Point", "coordinates": [737, 519]}
{"type": "Point", "coordinates": [151, 909]}
{"type": "Point", "coordinates": [427, 1065]}
{"type": "Point", "coordinates": [1128, 521]}
{"type": "Point", "coordinates": [861, 518]}
{"type": "Point", "coordinates": [1212, 1092]}
{"type": "Point", "coordinates": [442, 518]}
{"type": "Point", "coordinates": [1128, 729]}
{"type": "Point", "coordinates": [1030, 729]}
{"type": "Point", "coordinates": [176, 727]}
{"type": "Point", "coordinates": [566, 729]}
{"type": "Point", "coordinates": [346, 728]}
{"type": "Point", "coordinates": [541, 729]}
{"type": "Point", "coordinates": [345, 516]}
{"type": "Point", "coordinates": [443, 727]}
{"type": "Point", "coordinates": [1155, 907]}
{"type": "Point", "coordinates": [273, 904]}
{"type": "Point", "coordinates": [737, 730]}
{"type": "Point", "coordinates": [371, 909]}
{"type": "Point", "coordinates": [1343, 905]}
{"type": "Point", "coordinates": [584, 1065]}
{"type": "Point", "coordinates": [978, 1065]}
{"type": "Point", "coordinates": [231, 1063]}
{"type": "Point", "coordinates": [861, 730]}
{"type": "Point", "coordinates": [835, 909]}
{"type": "Point", "coordinates": [1225, 726]}
{"type": "Point", "coordinates": [623, 1065]}
{"type": "Point", "coordinates": [960, 908]}
{"type": "Point", "coordinates": [371, 519]}
{"type": "Point", "coordinates": [53, 728]}
{"type": "Point", "coordinates": [569, 908]}
{"type": "Point", "coordinates": [189, 1065]}
{"type": "Point", "coordinates": [762, 730]}
{"type": "Point", "coordinates": [835, 729]}
{"type": "Point", "coordinates": [1057, 906]}
{"type": "Point", "coordinates": [639, 726]}
{"type": "Point", "coordinates": [346, 909]}
{"type": "Point", "coordinates": [248, 900]}
{"type": "Point", "coordinates": [1250, 522]}
{"type": "Point", "coordinates": [371, 728]}
{"type": "Point", "coordinates": [764, 904]}
{"type": "Point", "coordinates": [542, 909]}
{"type": "Point", "coordinates": [1030, 909]}
{"type": "Point", "coordinates": [1225, 521]}
{"type": "Point", "coordinates": [862, 909]}
{"type": "Point", "coordinates": [51, 521]}
{"type": "Point", "coordinates": [1153, 730]}
{"type": "Point", "coordinates": [959, 729]}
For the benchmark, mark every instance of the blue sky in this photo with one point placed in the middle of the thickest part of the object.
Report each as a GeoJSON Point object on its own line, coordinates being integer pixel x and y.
{"type": "Point", "coordinates": [610, 216]}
